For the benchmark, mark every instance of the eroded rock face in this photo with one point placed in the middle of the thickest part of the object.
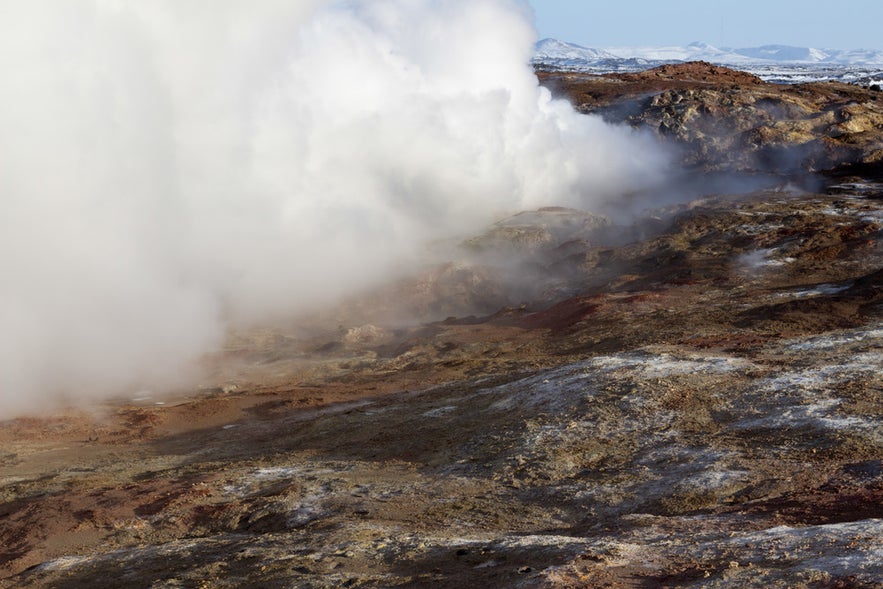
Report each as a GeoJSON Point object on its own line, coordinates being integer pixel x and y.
{"type": "Point", "coordinates": [723, 119]}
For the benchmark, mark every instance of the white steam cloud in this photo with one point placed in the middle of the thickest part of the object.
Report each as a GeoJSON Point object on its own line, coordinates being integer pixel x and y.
{"type": "Point", "coordinates": [174, 167]}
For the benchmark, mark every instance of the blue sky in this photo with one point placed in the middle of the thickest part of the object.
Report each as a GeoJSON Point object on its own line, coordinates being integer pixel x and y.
{"type": "Point", "coordinates": [845, 24]}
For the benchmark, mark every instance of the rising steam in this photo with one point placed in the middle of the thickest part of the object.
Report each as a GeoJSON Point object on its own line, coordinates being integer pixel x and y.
{"type": "Point", "coordinates": [171, 168]}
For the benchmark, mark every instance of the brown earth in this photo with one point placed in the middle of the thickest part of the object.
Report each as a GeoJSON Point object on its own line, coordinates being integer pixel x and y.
{"type": "Point", "coordinates": [691, 399]}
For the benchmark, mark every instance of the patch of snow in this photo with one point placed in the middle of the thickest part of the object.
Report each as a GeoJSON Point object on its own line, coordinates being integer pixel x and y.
{"type": "Point", "coordinates": [308, 510]}
{"type": "Point", "coordinates": [857, 544]}
{"type": "Point", "coordinates": [378, 411]}
{"type": "Point", "coordinates": [252, 482]}
{"type": "Point", "coordinates": [763, 258]}
{"type": "Point", "coordinates": [561, 388]}
{"type": "Point", "coordinates": [439, 411]}
{"type": "Point", "coordinates": [647, 365]}
{"type": "Point", "coordinates": [806, 397]}
{"type": "Point", "coordinates": [813, 414]}
{"type": "Point", "coordinates": [687, 469]}
{"type": "Point", "coordinates": [759, 229]}
{"type": "Point", "coordinates": [817, 290]}
{"type": "Point", "coordinates": [541, 541]}
{"type": "Point", "coordinates": [821, 378]}
{"type": "Point", "coordinates": [872, 216]}
{"type": "Point", "coordinates": [837, 211]}
{"type": "Point", "coordinates": [555, 389]}
{"type": "Point", "coordinates": [137, 553]}
{"type": "Point", "coordinates": [63, 563]}
{"type": "Point", "coordinates": [712, 479]}
{"type": "Point", "coordinates": [674, 455]}
{"type": "Point", "coordinates": [857, 188]}
{"type": "Point", "coordinates": [789, 557]}
{"type": "Point", "coordinates": [278, 472]}
{"type": "Point", "coordinates": [826, 342]}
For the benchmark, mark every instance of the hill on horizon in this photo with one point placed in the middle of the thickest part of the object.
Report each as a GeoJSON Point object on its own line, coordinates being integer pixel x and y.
{"type": "Point", "coordinates": [554, 49]}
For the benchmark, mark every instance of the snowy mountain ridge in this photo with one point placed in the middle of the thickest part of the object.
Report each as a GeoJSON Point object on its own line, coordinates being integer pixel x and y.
{"type": "Point", "coordinates": [773, 63]}
{"type": "Point", "coordinates": [766, 54]}
{"type": "Point", "coordinates": [555, 49]}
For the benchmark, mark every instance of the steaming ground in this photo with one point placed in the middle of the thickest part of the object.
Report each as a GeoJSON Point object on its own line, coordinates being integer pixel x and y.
{"type": "Point", "coordinates": [173, 170]}
{"type": "Point", "coordinates": [705, 412]}
{"type": "Point", "coordinates": [688, 399]}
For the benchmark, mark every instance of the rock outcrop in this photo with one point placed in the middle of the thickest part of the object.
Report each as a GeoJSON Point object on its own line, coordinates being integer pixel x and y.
{"type": "Point", "coordinates": [722, 119]}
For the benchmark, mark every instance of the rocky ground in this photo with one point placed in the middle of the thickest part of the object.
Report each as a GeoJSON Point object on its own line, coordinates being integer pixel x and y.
{"type": "Point", "coordinates": [724, 119]}
{"type": "Point", "coordinates": [689, 399]}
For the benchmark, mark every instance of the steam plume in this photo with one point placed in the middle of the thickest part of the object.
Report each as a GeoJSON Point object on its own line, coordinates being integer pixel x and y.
{"type": "Point", "coordinates": [169, 169]}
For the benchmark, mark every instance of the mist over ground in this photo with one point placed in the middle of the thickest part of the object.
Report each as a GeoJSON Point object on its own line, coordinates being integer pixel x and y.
{"type": "Point", "coordinates": [172, 170]}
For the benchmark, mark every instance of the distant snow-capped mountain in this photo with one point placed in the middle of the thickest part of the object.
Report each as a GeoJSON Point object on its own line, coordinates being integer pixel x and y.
{"type": "Point", "coordinates": [780, 63]}
{"type": "Point", "coordinates": [552, 49]}
{"type": "Point", "coordinates": [784, 53]}
{"type": "Point", "coordinates": [555, 49]}
{"type": "Point", "coordinates": [691, 52]}
{"type": "Point", "coordinates": [557, 54]}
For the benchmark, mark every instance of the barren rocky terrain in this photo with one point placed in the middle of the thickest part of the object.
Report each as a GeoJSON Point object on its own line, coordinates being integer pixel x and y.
{"type": "Point", "coordinates": [690, 398]}
{"type": "Point", "coordinates": [728, 120]}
